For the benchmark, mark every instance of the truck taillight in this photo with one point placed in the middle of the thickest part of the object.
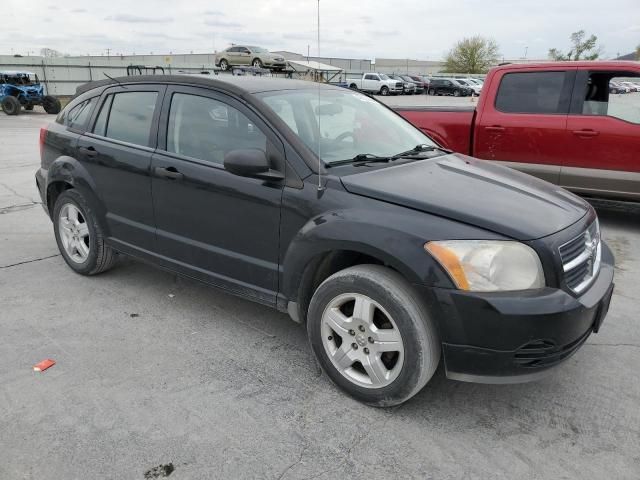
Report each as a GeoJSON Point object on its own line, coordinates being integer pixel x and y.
{"type": "Point", "coordinates": [43, 136]}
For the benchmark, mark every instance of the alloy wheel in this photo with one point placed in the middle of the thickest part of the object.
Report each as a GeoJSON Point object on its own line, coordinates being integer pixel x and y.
{"type": "Point", "coordinates": [74, 233]}
{"type": "Point", "coordinates": [362, 341]}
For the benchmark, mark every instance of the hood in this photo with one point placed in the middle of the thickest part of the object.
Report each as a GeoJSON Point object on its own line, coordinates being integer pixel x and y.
{"type": "Point", "coordinates": [476, 192]}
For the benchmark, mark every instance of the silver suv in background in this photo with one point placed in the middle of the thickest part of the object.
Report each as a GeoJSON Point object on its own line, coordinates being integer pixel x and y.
{"type": "Point", "coordinates": [241, 55]}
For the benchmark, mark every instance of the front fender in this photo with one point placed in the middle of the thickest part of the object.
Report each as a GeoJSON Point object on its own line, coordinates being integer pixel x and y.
{"type": "Point", "coordinates": [391, 237]}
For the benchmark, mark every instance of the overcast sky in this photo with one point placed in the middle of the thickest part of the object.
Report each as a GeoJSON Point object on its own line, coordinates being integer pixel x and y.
{"type": "Point", "coordinates": [415, 29]}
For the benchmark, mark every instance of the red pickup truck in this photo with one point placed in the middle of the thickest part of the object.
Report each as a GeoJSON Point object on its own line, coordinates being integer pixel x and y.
{"type": "Point", "coordinates": [557, 121]}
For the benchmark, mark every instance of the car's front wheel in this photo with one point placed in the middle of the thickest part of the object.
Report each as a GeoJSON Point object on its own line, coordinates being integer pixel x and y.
{"type": "Point", "coordinates": [80, 237]}
{"type": "Point", "coordinates": [373, 335]}
{"type": "Point", "coordinates": [384, 91]}
{"type": "Point", "coordinates": [257, 63]}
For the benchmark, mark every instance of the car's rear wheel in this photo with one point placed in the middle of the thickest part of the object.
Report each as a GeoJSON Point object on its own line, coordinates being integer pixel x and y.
{"type": "Point", "coordinates": [373, 335]}
{"type": "Point", "coordinates": [80, 236]}
{"type": "Point", "coordinates": [431, 91]}
{"type": "Point", "coordinates": [353, 86]}
{"type": "Point", "coordinates": [11, 105]}
{"type": "Point", "coordinates": [51, 104]}
{"type": "Point", "coordinates": [224, 65]}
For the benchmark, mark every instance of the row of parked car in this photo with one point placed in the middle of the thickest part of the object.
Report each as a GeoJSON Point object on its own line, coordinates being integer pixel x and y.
{"type": "Point", "coordinates": [624, 87]}
{"type": "Point", "coordinates": [395, 84]}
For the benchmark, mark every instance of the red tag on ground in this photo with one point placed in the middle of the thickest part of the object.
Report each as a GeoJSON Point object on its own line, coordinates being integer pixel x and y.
{"type": "Point", "coordinates": [43, 365]}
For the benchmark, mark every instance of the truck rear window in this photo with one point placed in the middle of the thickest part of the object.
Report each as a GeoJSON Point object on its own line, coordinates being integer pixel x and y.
{"type": "Point", "coordinates": [531, 92]}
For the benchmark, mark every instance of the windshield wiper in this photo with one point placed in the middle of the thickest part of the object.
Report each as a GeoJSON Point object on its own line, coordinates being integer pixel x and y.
{"type": "Point", "coordinates": [363, 158]}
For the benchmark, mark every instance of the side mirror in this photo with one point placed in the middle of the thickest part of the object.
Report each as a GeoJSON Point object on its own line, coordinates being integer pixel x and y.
{"type": "Point", "coordinates": [250, 163]}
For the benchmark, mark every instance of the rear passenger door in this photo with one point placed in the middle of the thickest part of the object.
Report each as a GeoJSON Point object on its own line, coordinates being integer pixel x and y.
{"type": "Point", "coordinates": [603, 135]}
{"type": "Point", "coordinates": [116, 151]}
{"type": "Point", "coordinates": [211, 224]}
{"type": "Point", "coordinates": [525, 124]}
{"type": "Point", "coordinates": [371, 82]}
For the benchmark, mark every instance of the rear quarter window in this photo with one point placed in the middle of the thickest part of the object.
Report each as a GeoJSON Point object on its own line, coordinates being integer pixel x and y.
{"type": "Point", "coordinates": [77, 116]}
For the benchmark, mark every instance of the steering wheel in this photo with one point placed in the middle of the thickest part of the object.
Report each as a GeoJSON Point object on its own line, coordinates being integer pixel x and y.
{"type": "Point", "coordinates": [343, 136]}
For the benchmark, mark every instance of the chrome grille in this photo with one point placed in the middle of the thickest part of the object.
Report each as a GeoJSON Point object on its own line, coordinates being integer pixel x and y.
{"type": "Point", "coordinates": [581, 258]}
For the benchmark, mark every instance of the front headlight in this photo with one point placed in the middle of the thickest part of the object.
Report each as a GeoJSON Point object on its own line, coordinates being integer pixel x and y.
{"type": "Point", "coordinates": [488, 265]}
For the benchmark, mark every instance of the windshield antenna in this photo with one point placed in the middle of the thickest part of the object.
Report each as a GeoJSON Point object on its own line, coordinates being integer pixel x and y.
{"type": "Point", "coordinates": [117, 81]}
{"type": "Point", "coordinates": [319, 110]}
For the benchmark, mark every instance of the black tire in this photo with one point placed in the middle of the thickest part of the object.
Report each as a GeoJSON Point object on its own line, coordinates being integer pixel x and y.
{"type": "Point", "coordinates": [384, 91]}
{"type": "Point", "coordinates": [28, 108]}
{"type": "Point", "coordinates": [256, 63]}
{"type": "Point", "coordinates": [101, 256]}
{"type": "Point", "coordinates": [456, 93]}
{"type": "Point", "coordinates": [431, 92]}
{"type": "Point", "coordinates": [224, 65]}
{"type": "Point", "coordinates": [397, 296]}
{"type": "Point", "coordinates": [353, 86]}
{"type": "Point", "coordinates": [11, 105]}
{"type": "Point", "coordinates": [51, 105]}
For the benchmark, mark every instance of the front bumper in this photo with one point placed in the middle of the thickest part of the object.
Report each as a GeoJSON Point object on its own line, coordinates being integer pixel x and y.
{"type": "Point", "coordinates": [511, 337]}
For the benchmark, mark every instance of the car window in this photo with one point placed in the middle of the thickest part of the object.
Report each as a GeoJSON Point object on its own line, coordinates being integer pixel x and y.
{"type": "Point", "coordinates": [370, 77]}
{"type": "Point", "coordinates": [129, 118]}
{"type": "Point", "coordinates": [206, 129]}
{"type": "Point", "coordinates": [610, 94]}
{"type": "Point", "coordinates": [531, 92]}
{"type": "Point", "coordinates": [77, 116]}
{"type": "Point", "coordinates": [101, 122]}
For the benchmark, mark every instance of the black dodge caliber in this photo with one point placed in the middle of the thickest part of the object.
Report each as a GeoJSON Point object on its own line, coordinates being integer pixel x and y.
{"type": "Point", "coordinates": [321, 202]}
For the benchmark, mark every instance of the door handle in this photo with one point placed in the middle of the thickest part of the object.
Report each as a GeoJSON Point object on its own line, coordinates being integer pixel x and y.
{"type": "Point", "coordinates": [169, 172]}
{"type": "Point", "coordinates": [586, 133]}
{"type": "Point", "coordinates": [495, 128]}
{"type": "Point", "coordinates": [88, 151]}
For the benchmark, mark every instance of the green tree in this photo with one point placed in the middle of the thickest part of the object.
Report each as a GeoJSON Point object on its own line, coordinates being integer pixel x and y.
{"type": "Point", "coordinates": [472, 55]}
{"type": "Point", "coordinates": [583, 48]}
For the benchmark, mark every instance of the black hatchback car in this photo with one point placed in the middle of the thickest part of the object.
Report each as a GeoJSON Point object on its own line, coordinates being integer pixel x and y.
{"type": "Point", "coordinates": [323, 203]}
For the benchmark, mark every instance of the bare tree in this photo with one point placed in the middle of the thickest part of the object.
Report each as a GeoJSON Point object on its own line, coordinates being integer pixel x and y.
{"type": "Point", "coordinates": [582, 48]}
{"type": "Point", "coordinates": [50, 53]}
{"type": "Point", "coordinates": [472, 55]}
{"type": "Point", "coordinates": [638, 52]}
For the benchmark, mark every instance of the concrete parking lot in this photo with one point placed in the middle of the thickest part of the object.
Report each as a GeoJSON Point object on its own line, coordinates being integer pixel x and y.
{"type": "Point", "coordinates": [153, 369]}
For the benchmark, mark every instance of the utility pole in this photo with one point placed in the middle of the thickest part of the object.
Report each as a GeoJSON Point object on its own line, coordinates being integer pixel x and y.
{"type": "Point", "coordinates": [526, 49]}
{"type": "Point", "coordinates": [108, 52]}
{"type": "Point", "coordinates": [308, 47]}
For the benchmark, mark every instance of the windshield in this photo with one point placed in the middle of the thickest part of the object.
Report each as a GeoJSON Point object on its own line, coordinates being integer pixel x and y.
{"type": "Point", "coordinates": [258, 50]}
{"type": "Point", "coordinates": [384, 77]}
{"type": "Point", "coordinates": [460, 82]}
{"type": "Point", "coordinates": [351, 123]}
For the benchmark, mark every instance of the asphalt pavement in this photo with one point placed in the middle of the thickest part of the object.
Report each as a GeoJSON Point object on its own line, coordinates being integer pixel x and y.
{"type": "Point", "coordinates": [159, 375]}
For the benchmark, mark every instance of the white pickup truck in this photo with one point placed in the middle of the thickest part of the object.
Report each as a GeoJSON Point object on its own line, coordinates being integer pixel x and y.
{"type": "Point", "coordinates": [375, 83]}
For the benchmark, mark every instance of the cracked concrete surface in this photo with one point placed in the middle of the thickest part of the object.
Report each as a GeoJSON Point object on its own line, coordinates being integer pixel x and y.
{"type": "Point", "coordinates": [153, 369]}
